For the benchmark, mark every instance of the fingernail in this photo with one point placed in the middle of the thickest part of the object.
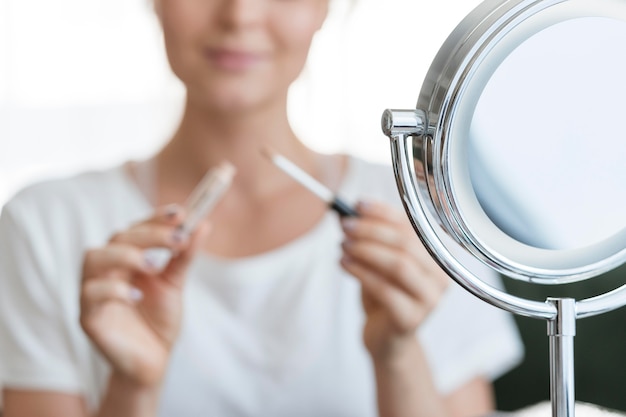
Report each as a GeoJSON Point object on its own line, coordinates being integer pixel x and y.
{"type": "Point", "coordinates": [349, 224]}
{"type": "Point", "coordinates": [346, 244]}
{"type": "Point", "coordinates": [179, 235]}
{"type": "Point", "coordinates": [135, 294]}
{"type": "Point", "coordinates": [346, 259]}
{"type": "Point", "coordinates": [149, 260]}
{"type": "Point", "coordinates": [155, 259]}
{"type": "Point", "coordinates": [364, 206]}
{"type": "Point", "coordinates": [171, 211]}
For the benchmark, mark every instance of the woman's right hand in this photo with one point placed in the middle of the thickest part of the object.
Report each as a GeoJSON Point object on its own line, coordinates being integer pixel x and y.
{"type": "Point", "coordinates": [130, 309]}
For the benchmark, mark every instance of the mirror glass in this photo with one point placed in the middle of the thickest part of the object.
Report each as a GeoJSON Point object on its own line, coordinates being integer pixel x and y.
{"type": "Point", "coordinates": [547, 145]}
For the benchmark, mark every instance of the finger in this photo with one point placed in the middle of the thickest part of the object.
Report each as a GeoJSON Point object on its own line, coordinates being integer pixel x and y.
{"type": "Point", "coordinates": [172, 214]}
{"type": "Point", "coordinates": [404, 310]}
{"type": "Point", "coordinates": [381, 211]}
{"type": "Point", "coordinates": [117, 256]}
{"type": "Point", "coordinates": [175, 272]}
{"type": "Point", "coordinates": [398, 236]}
{"type": "Point", "coordinates": [368, 302]}
{"type": "Point", "coordinates": [96, 292]}
{"type": "Point", "coordinates": [151, 235]}
{"type": "Point", "coordinates": [398, 268]}
{"type": "Point", "coordinates": [375, 230]}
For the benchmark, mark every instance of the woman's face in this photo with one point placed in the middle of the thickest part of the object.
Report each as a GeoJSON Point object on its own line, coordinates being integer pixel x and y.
{"type": "Point", "coordinates": [233, 55]}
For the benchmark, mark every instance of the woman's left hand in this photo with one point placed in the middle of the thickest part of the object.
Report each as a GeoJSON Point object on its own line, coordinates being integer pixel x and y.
{"type": "Point", "coordinates": [400, 282]}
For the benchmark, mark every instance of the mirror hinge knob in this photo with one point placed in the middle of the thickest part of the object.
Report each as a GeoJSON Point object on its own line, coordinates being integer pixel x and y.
{"type": "Point", "coordinates": [397, 123]}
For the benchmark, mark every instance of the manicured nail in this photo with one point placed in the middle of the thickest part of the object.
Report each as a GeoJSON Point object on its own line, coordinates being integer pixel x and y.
{"type": "Point", "coordinates": [348, 224]}
{"type": "Point", "coordinates": [149, 260]}
{"type": "Point", "coordinates": [135, 294]}
{"type": "Point", "coordinates": [155, 259]}
{"type": "Point", "coordinates": [171, 211]}
{"type": "Point", "coordinates": [179, 236]}
{"type": "Point", "coordinates": [364, 206]}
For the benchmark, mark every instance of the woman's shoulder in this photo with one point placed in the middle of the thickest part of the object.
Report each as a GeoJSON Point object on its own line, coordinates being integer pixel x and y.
{"type": "Point", "coordinates": [82, 185]}
{"type": "Point", "coordinates": [71, 199]}
{"type": "Point", "coordinates": [66, 190]}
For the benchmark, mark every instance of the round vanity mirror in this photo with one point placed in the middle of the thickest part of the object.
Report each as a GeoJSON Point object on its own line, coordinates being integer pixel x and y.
{"type": "Point", "coordinates": [546, 141]}
{"type": "Point", "coordinates": [516, 152]}
{"type": "Point", "coordinates": [522, 144]}
{"type": "Point", "coordinates": [538, 173]}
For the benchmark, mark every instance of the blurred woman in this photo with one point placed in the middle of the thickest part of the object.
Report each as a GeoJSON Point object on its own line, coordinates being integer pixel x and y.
{"type": "Point", "coordinates": [272, 307]}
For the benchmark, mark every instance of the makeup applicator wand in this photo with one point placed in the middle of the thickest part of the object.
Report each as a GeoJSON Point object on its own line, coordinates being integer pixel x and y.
{"type": "Point", "coordinates": [310, 183]}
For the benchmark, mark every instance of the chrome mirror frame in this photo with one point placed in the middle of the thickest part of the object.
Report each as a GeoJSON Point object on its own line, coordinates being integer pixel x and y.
{"type": "Point", "coordinates": [423, 146]}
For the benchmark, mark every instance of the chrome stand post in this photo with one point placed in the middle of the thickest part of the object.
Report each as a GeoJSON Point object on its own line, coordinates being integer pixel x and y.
{"type": "Point", "coordinates": [561, 330]}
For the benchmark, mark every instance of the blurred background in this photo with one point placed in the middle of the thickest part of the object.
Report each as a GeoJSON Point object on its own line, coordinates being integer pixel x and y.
{"type": "Point", "coordinates": [84, 84]}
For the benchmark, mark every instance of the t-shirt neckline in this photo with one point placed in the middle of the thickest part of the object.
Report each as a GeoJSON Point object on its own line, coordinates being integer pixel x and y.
{"type": "Point", "coordinates": [345, 185]}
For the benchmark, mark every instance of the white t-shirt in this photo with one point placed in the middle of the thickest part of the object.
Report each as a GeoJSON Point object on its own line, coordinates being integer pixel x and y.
{"type": "Point", "coordinates": [277, 334]}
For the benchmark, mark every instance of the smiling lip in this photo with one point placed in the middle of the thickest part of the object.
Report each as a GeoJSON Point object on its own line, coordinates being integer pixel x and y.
{"type": "Point", "coordinates": [232, 60]}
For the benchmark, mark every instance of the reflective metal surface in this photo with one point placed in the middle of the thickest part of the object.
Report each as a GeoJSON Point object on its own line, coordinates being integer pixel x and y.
{"type": "Point", "coordinates": [469, 199]}
{"type": "Point", "coordinates": [434, 239]}
{"type": "Point", "coordinates": [507, 142]}
{"type": "Point", "coordinates": [561, 332]}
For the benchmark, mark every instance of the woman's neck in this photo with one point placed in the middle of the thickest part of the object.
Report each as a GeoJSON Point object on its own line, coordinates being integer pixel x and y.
{"type": "Point", "coordinates": [263, 208]}
{"type": "Point", "coordinates": [206, 138]}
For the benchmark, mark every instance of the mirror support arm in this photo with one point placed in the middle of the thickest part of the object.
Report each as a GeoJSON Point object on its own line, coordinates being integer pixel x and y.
{"type": "Point", "coordinates": [399, 126]}
{"type": "Point", "coordinates": [561, 331]}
